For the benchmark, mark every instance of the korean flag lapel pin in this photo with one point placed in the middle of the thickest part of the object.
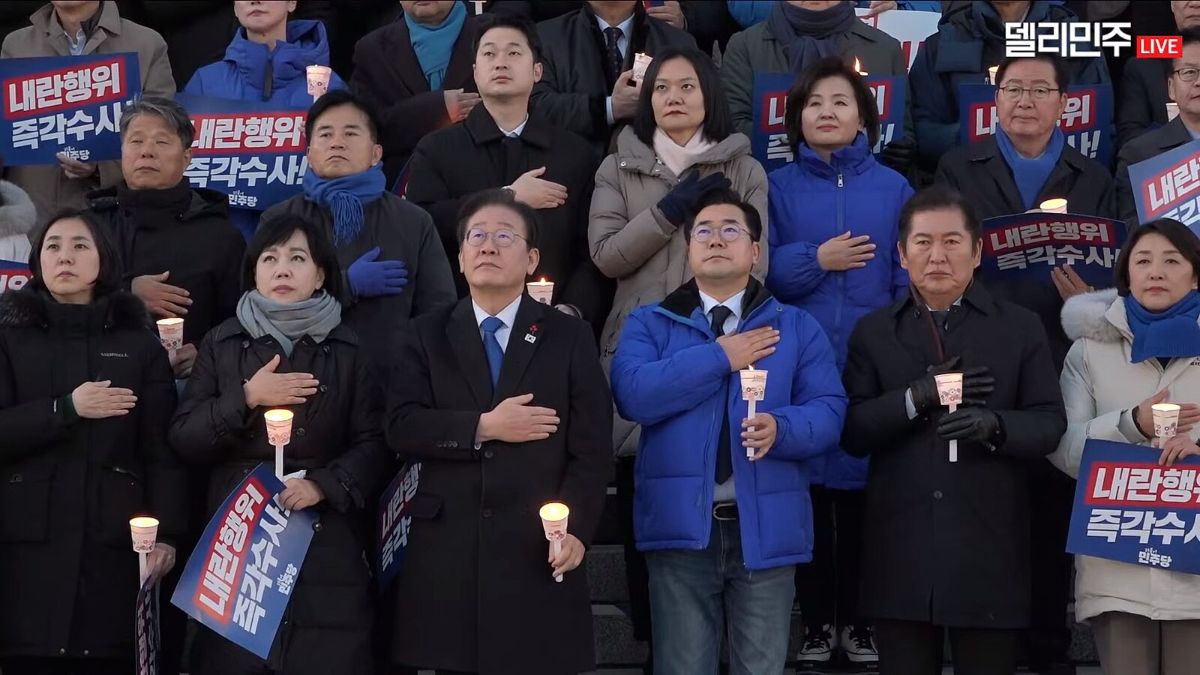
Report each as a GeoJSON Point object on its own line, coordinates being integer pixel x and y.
{"type": "Point", "coordinates": [531, 336]}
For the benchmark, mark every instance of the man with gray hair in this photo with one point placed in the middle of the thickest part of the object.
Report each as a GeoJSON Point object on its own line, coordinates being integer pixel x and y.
{"type": "Point", "coordinates": [179, 252]}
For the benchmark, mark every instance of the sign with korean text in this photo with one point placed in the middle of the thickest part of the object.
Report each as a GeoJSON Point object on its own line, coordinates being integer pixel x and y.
{"type": "Point", "coordinates": [252, 151]}
{"type": "Point", "coordinates": [13, 275]}
{"type": "Point", "coordinates": [1168, 186]}
{"type": "Point", "coordinates": [1130, 509]}
{"type": "Point", "coordinates": [909, 27]}
{"type": "Point", "coordinates": [1029, 245]}
{"type": "Point", "coordinates": [1086, 120]}
{"type": "Point", "coordinates": [67, 104]}
{"type": "Point", "coordinates": [146, 632]}
{"type": "Point", "coordinates": [394, 521]}
{"type": "Point", "coordinates": [770, 143]}
{"type": "Point", "coordinates": [240, 578]}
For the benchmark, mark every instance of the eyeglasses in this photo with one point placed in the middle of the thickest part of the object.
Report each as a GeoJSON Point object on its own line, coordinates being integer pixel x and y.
{"type": "Point", "coordinates": [1013, 93]}
{"type": "Point", "coordinates": [1188, 74]}
{"type": "Point", "coordinates": [729, 233]}
{"type": "Point", "coordinates": [503, 238]}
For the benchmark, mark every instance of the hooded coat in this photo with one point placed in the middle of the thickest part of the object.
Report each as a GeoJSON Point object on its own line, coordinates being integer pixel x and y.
{"type": "Point", "coordinates": [18, 218]}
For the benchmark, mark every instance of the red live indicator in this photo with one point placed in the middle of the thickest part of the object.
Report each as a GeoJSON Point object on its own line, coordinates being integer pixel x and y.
{"type": "Point", "coordinates": [1159, 47]}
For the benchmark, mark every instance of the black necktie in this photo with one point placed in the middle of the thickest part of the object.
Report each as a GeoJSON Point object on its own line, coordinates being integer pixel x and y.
{"type": "Point", "coordinates": [939, 318]}
{"type": "Point", "coordinates": [724, 460]}
{"type": "Point", "coordinates": [614, 60]}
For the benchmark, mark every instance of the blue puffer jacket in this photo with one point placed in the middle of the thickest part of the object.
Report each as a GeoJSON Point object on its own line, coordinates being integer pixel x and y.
{"type": "Point", "coordinates": [671, 376]}
{"type": "Point", "coordinates": [812, 201]}
{"type": "Point", "coordinates": [251, 72]}
{"type": "Point", "coordinates": [970, 38]}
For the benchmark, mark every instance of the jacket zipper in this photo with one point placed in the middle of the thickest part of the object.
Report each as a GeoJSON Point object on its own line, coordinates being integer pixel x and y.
{"type": "Point", "coordinates": [841, 276]}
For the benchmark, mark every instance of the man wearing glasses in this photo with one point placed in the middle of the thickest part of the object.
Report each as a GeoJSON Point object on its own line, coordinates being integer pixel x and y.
{"type": "Point", "coordinates": [705, 467]}
{"type": "Point", "coordinates": [1183, 78]}
{"type": "Point", "coordinates": [1025, 163]}
{"type": "Point", "coordinates": [505, 404]}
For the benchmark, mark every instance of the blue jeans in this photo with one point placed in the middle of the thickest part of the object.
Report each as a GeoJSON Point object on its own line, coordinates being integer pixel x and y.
{"type": "Point", "coordinates": [697, 595]}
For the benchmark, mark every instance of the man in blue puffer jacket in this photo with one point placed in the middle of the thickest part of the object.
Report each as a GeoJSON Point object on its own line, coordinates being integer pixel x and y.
{"type": "Point", "coordinates": [970, 38]}
{"type": "Point", "coordinates": [265, 62]}
{"type": "Point", "coordinates": [723, 531]}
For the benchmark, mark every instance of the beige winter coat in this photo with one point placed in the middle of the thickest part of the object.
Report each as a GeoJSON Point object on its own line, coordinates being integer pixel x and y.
{"type": "Point", "coordinates": [632, 242]}
{"type": "Point", "coordinates": [1100, 388]}
{"type": "Point", "coordinates": [48, 186]}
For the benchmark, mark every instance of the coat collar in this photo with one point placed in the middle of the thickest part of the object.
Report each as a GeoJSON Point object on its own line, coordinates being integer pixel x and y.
{"type": "Point", "coordinates": [975, 297]}
{"type": "Point", "coordinates": [986, 154]}
{"type": "Point", "coordinates": [526, 334]}
{"type": "Point", "coordinates": [27, 308]}
{"type": "Point", "coordinates": [46, 23]}
{"type": "Point", "coordinates": [483, 129]}
{"type": "Point", "coordinates": [685, 300]}
{"type": "Point", "coordinates": [398, 45]}
{"type": "Point", "coordinates": [1173, 134]}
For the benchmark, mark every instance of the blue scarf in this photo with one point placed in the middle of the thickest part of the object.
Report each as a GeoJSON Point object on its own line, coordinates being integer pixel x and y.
{"type": "Point", "coordinates": [1167, 334]}
{"type": "Point", "coordinates": [434, 45]}
{"type": "Point", "coordinates": [1031, 175]}
{"type": "Point", "coordinates": [344, 197]}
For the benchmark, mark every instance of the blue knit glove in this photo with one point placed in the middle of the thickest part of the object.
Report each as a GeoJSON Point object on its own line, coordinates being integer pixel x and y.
{"type": "Point", "coordinates": [370, 279]}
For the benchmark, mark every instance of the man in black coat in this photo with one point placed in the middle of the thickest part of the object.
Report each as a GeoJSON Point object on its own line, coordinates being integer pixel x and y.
{"type": "Point", "coordinates": [501, 144]}
{"type": "Point", "coordinates": [587, 85]}
{"type": "Point", "coordinates": [387, 74]}
{"type": "Point", "coordinates": [946, 543]}
{"type": "Point", "coordinates": [1142, 104]}
{"type": "Point", "coordinates": [1183, 129]}
{"type": "Point", "coordinates": [505, 404]}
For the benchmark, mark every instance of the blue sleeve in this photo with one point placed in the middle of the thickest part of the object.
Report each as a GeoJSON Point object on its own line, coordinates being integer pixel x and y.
{"type": "Point", "coordinates": [936, 128]}
{"type": "Point", "coordinates": [195, 86]}
{"type": "Point", "coordinates": [793, 271]}
{"type": "Point", "coordinates": [336, 82]}
{"type": "Point", "coordinates": [649, 388]}
{"type": "Point", "coordinates": [900, 279]}
{"type": "Point", "coordinates": [749, 13]}
{"type": "Point", "coordinates": [813, 423]}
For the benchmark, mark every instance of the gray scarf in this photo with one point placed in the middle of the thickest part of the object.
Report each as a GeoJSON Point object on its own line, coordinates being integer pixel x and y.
{"type": "Point", "coordinates": [315, 317]}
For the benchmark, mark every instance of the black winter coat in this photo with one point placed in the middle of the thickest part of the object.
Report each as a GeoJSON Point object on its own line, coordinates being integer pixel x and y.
{"type": "Point", "coordinates": [574, 85]}
{"type": "Point", "coordinates": [945, 542]}
{"type": "Point", "coordinates": [68, 485]}
{"type": "Point", "coordinates": [452, 164]}
{"type": "Point", "coordinates": [1142, 99]}
{"type": "Point", "coordinates": [1150, 144]}
{"type": "Point", "coordinates": [183, 231]}
{"type": "Point", "coordinates": [388, 75]}
{"type": "Point", "coordinates": [980, 173]}
{"type": "Point", "coordinates": [476, 593]}
{"type": "Point", "coordinates": [337, 436]}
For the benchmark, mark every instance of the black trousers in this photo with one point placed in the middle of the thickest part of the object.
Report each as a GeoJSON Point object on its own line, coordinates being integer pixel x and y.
{"type": "Point", "coordinates": [60, 666]}
{"type": "Point", "coordinates": [637, 577]}
{"type": "Point", "coordinates": [1049, 637]}
{"type": "Point", "coordinates": [915, 648]}
{"type": "Point", "coordinates": [827, 588]}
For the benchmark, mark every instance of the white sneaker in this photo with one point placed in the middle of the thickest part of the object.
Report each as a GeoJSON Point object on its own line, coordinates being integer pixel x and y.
{"type": "Point", "coordinates": [859, 644]}
{"type": "Point", "coordinates": [818, 645]}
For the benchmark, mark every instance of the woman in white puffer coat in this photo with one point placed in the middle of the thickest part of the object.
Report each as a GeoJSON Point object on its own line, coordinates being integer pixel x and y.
{"type": "Point", "coordinates": [1136, 346]}
{"type": "Point", "coordinates": [17, 219]}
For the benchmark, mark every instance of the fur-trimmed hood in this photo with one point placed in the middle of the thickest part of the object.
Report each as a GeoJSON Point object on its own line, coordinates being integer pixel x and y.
{"type": "Point", "coordinates": [1096, 316]}
{"type": "Point", "coordinates": [18, 215]}
{"type": "Point", "coordinates": [28, 308]}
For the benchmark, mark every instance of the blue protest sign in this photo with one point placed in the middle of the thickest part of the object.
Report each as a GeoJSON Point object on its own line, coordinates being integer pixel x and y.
{"type": "Point", "coordinates": [13, 275]}
{"type": "Point", "coordinates": [146, 633]}
{"type": "Point", "coordinates": [1130, 509]}
{"type": "Point", "coordinates": [1087, 120]}
{"type": "Point", "coordinates": [769, 142]}
{"type": "Point", "coordinates": [250, 150]}
{"type": "Point", "coordinates": [1168, 185]}
{"type": "Point", "coordinates": [1028, 245]}
{"type": "Point", "coordinates": [240, 578]}
{"type": "Point", "coordinates": [68, 104]}
{"type": "Point", "coordinates": [394, 521]}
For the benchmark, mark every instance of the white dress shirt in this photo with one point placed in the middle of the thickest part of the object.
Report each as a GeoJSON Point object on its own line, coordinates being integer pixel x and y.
{"type": "Point", "coordinates": [507, 316]}
{"type": "Point", "coordinates": [515, 133]}
{"type": "Point", "coordinates": [626, 27]}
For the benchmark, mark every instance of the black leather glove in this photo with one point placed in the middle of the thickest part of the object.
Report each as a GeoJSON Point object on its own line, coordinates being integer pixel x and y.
{"type": "Point", "coordinates": [679, 204]}
{"type": "Point", "coordinates": [978, 425]}
{"type": "Point", "coordinates": [899, 155]}
{"type": "Point", "coordinates": [924, 389]}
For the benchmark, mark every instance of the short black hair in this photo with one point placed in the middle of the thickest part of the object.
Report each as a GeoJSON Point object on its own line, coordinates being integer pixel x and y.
{"type": "Point", "coordinates": [497, 197]}
{"type": "Point", "coordinates": [335, 98]}
{"type": "Point", "coordinates": [935, 198]}
{"type": "Point", "coordinates": [276, 231]}
{"type": "Point", "coordinates": [1191, 36]}
{"type": "Point", "coordinates": [108, 279]}
{"type": "Point", "coordinates": [718, 121]}
{"type": "Point", "coordinates": [505, 20]}
{"type": "Point", "coordinates": [731, 197]}
{"type": "Point", "coordinates": [802, 89]}
{"type": "Point", "coordinates": [1180, 236]}
{"type": "Point", "coordinates": [1061, 79]}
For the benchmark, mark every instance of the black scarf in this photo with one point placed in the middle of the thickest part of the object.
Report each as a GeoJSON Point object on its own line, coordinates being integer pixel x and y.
{"type": "Point", "coordinates": [809, 35]}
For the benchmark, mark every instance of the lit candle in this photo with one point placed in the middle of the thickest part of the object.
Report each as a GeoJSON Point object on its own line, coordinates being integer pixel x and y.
{"type": "Point", "coordinates": [992, 74]}
{"type": "Point", "coordinates": [170, 334]}
{"type": "Point", "coordinates": [279, 434]}
{"type": "Point", "coordinates": [1166, 420]}
{"type": "Point", "coordinates": [542, 291]}
{"type": "Point", "coordinates": [858, 68]}
{"type": "Point", "coordinates": [950, 394]}
{"type": "Point", "coordinates": [554, 523]}
{"type": "Point", "coordinates": [1172, 110]}
{"type": "Point", "coordinates": [318, 80]}
{"type": "Point", "coordinates": [144, 531]}
{"type": "Point", "coordinates": [1056, 205]}
{"type": "Point", "coordinates": [754, 388]}
{"type": "Point", "coordinates": [641, 62]}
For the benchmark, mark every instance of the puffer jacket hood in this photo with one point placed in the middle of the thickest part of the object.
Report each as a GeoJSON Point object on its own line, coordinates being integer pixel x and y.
{"type": "Point", "coordinates": [1088, 315]}
{"type": "Point", "coordinates": [18, 215]}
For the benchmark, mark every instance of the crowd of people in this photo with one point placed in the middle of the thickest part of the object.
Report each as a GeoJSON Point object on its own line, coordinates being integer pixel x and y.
{"type": "Point", "coordinates": [466, 148]}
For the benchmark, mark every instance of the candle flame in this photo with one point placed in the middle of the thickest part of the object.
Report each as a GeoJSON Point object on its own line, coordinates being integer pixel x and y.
{"type": "Point", "coordinates": [278, 415]}
{"type": "Point", "coordinates": [554, 512]}
{"type": "Point", "coordinates": [143, 521]}
{"type": "Point", "coordinates": [858, 67]}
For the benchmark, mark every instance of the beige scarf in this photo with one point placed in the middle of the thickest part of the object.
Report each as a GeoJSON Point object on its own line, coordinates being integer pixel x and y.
{"type": "Point", "coordinates": [680, 158]}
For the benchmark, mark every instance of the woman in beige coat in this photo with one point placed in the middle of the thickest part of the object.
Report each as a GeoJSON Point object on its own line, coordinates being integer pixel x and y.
{"type": "Point", "coordinates": [1134, 347]}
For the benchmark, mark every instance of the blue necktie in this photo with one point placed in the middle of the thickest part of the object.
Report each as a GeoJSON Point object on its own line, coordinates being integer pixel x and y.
{"type": "Point", "coordinates": [495, 355]}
